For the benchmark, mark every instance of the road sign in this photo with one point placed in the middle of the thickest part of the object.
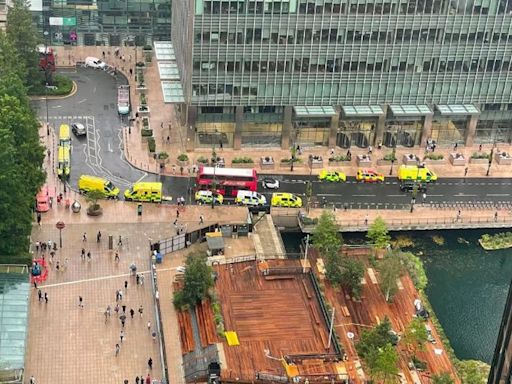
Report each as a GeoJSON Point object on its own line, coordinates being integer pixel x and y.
{"type": "Point", "coordinates": [60, 225]}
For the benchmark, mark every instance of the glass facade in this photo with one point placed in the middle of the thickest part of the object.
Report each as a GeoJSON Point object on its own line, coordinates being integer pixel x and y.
{"type": "Point", "coordinates": [106, 22]}
{"type": "Point", "coordinates": [347, 52]}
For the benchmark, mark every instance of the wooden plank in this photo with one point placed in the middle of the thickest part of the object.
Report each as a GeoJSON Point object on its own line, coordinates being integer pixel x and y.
{"type": "Point", "coordinates": [345, 311]}
{"type": "Point", "coordinates": [279, 277]}
{"type": "Point", "coordinates": [373, 278]}
{"type": "Point", "coordinates": [306, 289]}
{"type": "Point", "coordinates": [315, 316]}
{"type": "Point", "coordinates": [399, 284]}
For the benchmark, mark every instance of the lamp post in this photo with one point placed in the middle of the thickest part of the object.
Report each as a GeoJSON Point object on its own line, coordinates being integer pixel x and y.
{"type": "Point", "coordinates": [490, 161]}
{"type": "Point", "coordinates": [46, 33]}
{"type": "Point", "coordinates": [60, 226]}
{"type": "Point", "coordinates": [393, 154]}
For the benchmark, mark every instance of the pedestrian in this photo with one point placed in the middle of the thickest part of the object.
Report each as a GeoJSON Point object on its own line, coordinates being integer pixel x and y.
{"type": "Point", "coordinates": [83, 253]}
{"type": "Point", "coordinates": [137, 379]}
{"type": "Point", "coordinates": [148, 379]}
{"type": "Point", "coordinates": [50, 201]}
{"type": "Point", "coordinates": [117, 295]}
{"type": "Point", "coordinates": [123, 322]}
{"type": "Point", "coordinates": [466, 171]}
{"type": "Point", "coordinates": [131, 72]}
{"type": "Point", "coordinates": [32, 380]}
{"type": "Point", "coordinates": [126, 284]}
{"type": "Point", "coordinates": [98, 237]}
{"type": "Point", "coordinates": [37, 246]}
{"type": "Point", "coordinates": [126, 381]}
{"type": "Point", "coordinates": [496, 216]}
{"type": "Point", "coordinates": [366, 220]}
{"type": "Point", "coordinates": [168, 139]}
{"type": "Point", "coordinates": [455, 146]}
{"type": "Point", "coordinates": [103, 54]}
{"type": "Point", "coordinates": [141, 279]}
{"type": "Point", "coordinates": [118, 348]}
{"type": "Point", "coordinates": [201, 219]}
{"type": "Point", "coordinates": [150, 363]}
{"type": "Point", "coordinates": [35, 284]}
{"type": "Point", "coordinates": [116, 309]}
{"type": "Point", "coordinates": [40, 294]}
{"type": "Point", "coordinates": [132, 312]}
{"type": "Point", "coordinates": [162, 125]}
{"type": "Point", "coordinates": [370, 149]}
{"type": "Point", "coordinates": [153, 334]}
{"type": "Point", "coordinates": [141, 310]}
{"type": "Point", "coordinates": [175, 223]}
{"type": "Point", "coordinates": [480, 148]}
{"type": "Point", "coordinates": [124, 308]}
{"type": "Point", "coordinates": [120, 241]}
{"type": "Point", "coordinates": [221, 145]}
{"type": "Point", "coordinates": [84, 237]}
{"type": "Point", "coordinates": [57, 266]}
{"type": "Point", "coordinates": [109, 310]}
{"type": "Point", "coordinates": [121, 336]}
{"type": "Point", "coordinates": [106, 316]}
{"type": "Point", "coordinates": [137, 277]}
{"type": "Point", "coordinates": [177, 214]}
{"type": "Point", "coordinates": [80, 302]}
{"type": "Point", "coordinates": [38, 218]}
{"type": "Point", "coordinates": [116, 256]}
{"type": "Point", "coordinates": [88, 255]}
{"type": "Point", "coordinates": [46, 298]}
{"type": "Point", "coordinates": [149, 326]}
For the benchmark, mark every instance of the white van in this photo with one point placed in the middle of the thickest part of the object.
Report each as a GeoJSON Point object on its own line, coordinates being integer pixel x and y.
{"type": "Point", "coordinates": [94, 62]}
{"type": "Point", "coordinates": [250, 198]}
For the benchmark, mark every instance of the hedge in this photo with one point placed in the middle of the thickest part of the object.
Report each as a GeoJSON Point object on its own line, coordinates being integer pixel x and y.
{"type": "Point", "coordinates": [151, 144]}
{"type": "Point", "coordinates": [64, 86]}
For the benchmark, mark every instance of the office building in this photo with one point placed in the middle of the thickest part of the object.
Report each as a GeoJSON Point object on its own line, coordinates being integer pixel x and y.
{"type": "Point", "coordinates": [345, 72]}
{"type": "Point", "coordinates": [501, 368]}
{"type": "Point", "coordinates": [103, 22]}
{"type": "Point", "coordinates": [3, 13]}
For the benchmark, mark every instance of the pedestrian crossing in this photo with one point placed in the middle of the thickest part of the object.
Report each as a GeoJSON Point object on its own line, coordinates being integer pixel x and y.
{"type": "Point", "coordinates": [67, 118]}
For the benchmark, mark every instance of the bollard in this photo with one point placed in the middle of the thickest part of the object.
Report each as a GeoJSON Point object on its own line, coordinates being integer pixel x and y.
{"type": "Point", "coordinates": [110, 242]}
{"type": "Point", "coordinates": [139, 209]}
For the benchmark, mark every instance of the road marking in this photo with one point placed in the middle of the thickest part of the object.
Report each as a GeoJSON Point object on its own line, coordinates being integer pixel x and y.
{"type": "Point", "coordinates": [81, 101]}
{"type": "Point", "coordinates": [110, 147]}
{"type": "Point", "coordinates": [435, 195]}
{"type": "Point", "coordinates": [56, 106]}
{"type": "Point", "coordinates": [394, 195]}
{"type": "Point", "coordinates": [364, 195]}
{"type": "Point", "coordinates": [88, 280]}
{"type": "Point", "coordinates": [498, 194]}
{"type": "Point", "coordinates": [463, 195]}
{"type": "Point", "coordinates": [329, 194]}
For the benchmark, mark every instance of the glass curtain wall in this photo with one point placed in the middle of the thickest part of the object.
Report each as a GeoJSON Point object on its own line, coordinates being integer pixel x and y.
{"type": "Point", "coordinates": [360, 133]}
{"type": "Point", "coordinates": [449, 131]}
{"type": "Point", "coordinates": [492, 131]}
{"type": "Point", "coordinates": [215, 125]}
{"type": "Point", "coordinates": [405, 133]}
{"type": "Point", "coordinates": [312, 131]}
{"type": "Point", "coordinates": [262, 126]}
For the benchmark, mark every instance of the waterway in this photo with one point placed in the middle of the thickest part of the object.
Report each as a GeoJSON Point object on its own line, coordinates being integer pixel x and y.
{"type": "Point", "coordinates": [467, 285]}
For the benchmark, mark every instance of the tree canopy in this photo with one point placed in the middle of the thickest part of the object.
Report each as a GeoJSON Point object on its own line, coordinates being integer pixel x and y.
{"type": "Point", "coordinates": [326, 238]}
{"type": "Point", "coordinates": [378, 233]}
{"type": "Point", "coordinates": [390, 269]}
{"type": "Point", "coordinates": [415, 335]}
{"type": "Point", "coordinates": [442, 378]}
{"type": "Point", "coordinates": [198, 281]}
{"type": "Point", "coordinates": [473, 371]}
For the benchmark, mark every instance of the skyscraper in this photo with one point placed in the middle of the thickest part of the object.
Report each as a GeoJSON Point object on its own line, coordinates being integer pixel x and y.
{"type": "Point", "coordinates": [501, 368]}
{"type": "Point", "coordinates": [345, 72]}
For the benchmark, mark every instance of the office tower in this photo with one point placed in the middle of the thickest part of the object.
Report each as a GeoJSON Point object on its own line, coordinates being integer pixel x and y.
{"type": "Point", "coordinates": [501, 368]}
{"type": "Point", "coordinates": [344, 72]}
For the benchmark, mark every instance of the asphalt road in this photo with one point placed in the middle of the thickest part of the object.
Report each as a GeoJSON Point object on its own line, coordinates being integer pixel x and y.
{"type": "Point", "coordinates": [94, 105]}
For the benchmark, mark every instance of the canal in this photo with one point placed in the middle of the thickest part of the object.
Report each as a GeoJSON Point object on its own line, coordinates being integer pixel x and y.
{"type": "Point", "coordinates": [467, 285]}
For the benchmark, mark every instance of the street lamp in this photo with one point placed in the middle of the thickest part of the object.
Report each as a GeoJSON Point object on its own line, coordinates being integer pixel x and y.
{"type": "Point", "coordinates": [46, 33]}
{"type": "Point", "coordinates": [393, 154]}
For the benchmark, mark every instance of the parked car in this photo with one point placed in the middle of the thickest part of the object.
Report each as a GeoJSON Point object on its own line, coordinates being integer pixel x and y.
{"type": "Point", "coordinates": [409, 185]}
{"type": "Point", "coordinates": [94, 62]}
{"type": "Point", "coordinates": [78, 129]}
{"type": "Point", "coordinates": [43, 200]}
{"type": "Point", "coordinates": [333, 176]}
{"type": "Point", "coordinates": [369, 176]}
{"type": "Point", "coordinates": [270, 183]}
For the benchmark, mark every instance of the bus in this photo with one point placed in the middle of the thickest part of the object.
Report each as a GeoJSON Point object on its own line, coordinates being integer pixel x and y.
{"type": "Point", "coordinates": [228, 181]}
{"type": "Point", "coordinates": [64, 138]}
{"type": "Point", "coordinates": [123, 99]}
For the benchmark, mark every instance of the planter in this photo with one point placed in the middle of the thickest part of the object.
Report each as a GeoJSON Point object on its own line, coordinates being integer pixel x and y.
{"type": "Point", "coordinates": [410, 159]}
{"type": "Point", "coordinates": [316, 161]}
{"type": "Point", "coordinates": [364, 160]}
{"type": "Point", "coordinates": [503, 158]}
{"type": "Point", "coordinates": [94, 212]}
{"type": "Point", "coordinates": [478, 161]}
{"type": "Point", "coordinates": [182, 163]}
{"type": "Point", "coordinates": [267, 162]}
{"type": "Point", "coordinates": [433, 162]}
{"type": "Point", "coordinates": [144, 111]}
{"type": "Point", "coordinates": [457, 159]}
{"type": "Point", "coordinates": [340, 163]}
{"type": "Point", "coordinates": [242, 165]}
{"type": "Point", "coordinates": [384, 162]}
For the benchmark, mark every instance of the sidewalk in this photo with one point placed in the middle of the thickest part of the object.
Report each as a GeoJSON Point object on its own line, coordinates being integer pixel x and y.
{"type": "Point", "coordinates": [165, 124]}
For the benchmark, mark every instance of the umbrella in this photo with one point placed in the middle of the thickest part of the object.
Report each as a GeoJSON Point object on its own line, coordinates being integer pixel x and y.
{"type": "Point", "coordinates": [122, 317]}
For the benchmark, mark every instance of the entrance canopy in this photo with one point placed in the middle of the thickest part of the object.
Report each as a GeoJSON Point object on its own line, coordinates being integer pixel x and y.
{"type": "Point", "coordinates": [410, 110]}
{"type": "Point", "coordinates": [169, 73]}
{"type": "Point", "coordinates": [458, 109]}
{"type": "Point", "coordinates": [362, 111]}
{"type": "Point", "coordinates": [164, 51]}
{"type": "Point", "coordinates": [314, 111]}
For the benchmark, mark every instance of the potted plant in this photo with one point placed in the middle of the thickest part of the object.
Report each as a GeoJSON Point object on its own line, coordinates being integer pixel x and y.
{"type": "Point", "coordinates": [242, 162]}
{"type": "Point", "coordinates": [479, 158]}
{"type": "Point", "coordinates": [503, 158]}
{"type": "Point", "coordinates": [201, 160]}
{"type": "Point", "coordinates": [340, 159]}
{"type": "Point", "coordinates": [316, 161]}
{"type": "Point", "coordinates": [433, 157]}
{"type": "Point", "coordinates": [267, 162]}
{"type": "Point", "coordinates": [151, 145]}
{"type": "Point", "coordinates": [94, 209]}
{"type": "Point", "coordinates": [182, 159]}
{"type": "Point", "coordinates": [364, 160]}
{"type": "Point", "coordinates": [457, 159]}
{"type": "Point", "coordinates": [162, 157]}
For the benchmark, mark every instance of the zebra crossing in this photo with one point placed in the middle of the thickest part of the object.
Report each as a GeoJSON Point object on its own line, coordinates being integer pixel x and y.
{"type": "Point", "coordinates": [77, 118]}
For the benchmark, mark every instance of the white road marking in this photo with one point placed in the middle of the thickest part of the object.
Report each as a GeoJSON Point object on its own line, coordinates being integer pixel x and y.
{"type": "Point", "coordinates": [395, 195]}
{"type": "Point", "coordinates": [498, 194]}
{"type": "Point", "coordinates": [81, 101]}
{"type": "Point", "coordinates": [364, 195]}
{"type": "Point", "coordinates": [56, 106]}
{"type": "Point", "coordinates": [93, 279]}
{"type": "Point", "coordinates": [329, 194]}
{"type": "Point", "coordinates": [464, 195]}
{"type": "Point", "coordinates": [434, 195]}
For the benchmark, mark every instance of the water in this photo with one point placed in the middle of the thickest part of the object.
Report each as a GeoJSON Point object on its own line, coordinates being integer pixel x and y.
{"type": "Point", "coordinates": [467, 286]}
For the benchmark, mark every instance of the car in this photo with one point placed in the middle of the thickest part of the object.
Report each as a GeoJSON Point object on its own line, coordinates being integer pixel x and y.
{"type": "Point", "coordinates": [43, 200]}
{"type": "Point", "coordinates": [333, 176]}
{"type": "Point", "coordinates": [78, 129]}
{"type": "Point", "coordinates": [286, 199]}
{"type": "Point", "coordinates": [270, 183]}
{"type": "Point", "coordinates": [205, 197]}
{"type": "Point", "coordinates": [410, 185]}
{"type": "Point", "coordinates": [181, 269]}
{"type": "Point", "coordinates": [369, 176]}
{"type": "Point", "coordinates": [94, 62]}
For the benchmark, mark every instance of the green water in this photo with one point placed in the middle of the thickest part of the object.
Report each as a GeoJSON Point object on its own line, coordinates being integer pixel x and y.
{"type": "Point", "coordinates": [467, 286]}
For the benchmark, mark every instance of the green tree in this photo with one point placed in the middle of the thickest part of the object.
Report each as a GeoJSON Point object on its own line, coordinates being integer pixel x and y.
{"type": "Point", "coordinates": [198, 281]}
{"type": "Point", "coordinates": [378, 233]}
{"type": "Point", "coordinates": [374, 338]}
{"type": "Point", "coordinates": [352, 272]}
{"type": "Point", "coordinates": [326, 238]}
{"type": "Point", "coordinates": [309, 194]}
{"type": "Point", "coordinates": [23, 36]}
{"type": "Point", "coordinates": [473, 371]}
{"type": "Point", "coordinates": [442, 378]}
{"type": "Point", "coordinates": [415, 335]}
{"type": "Point", "coordinates": [390, 269]}
{"type": "Point", "coordinates": [383, 363]}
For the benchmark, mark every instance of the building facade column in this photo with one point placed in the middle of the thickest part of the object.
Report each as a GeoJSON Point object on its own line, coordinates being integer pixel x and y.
{"type": "Point", "coordinates": [333, 129]}
{"type": "Point", "coordinates": [286, 132]}
{"type": "Point", "coordinates": [191, 117]}
{"type": "Point", "coordinates": [239, 126]}
{"type": "Point", "coordinates": [426, 130]}
{"type": "Point", "coordinates": [470, 133]}
{"type": "Point", "coordinates": [381, 124]}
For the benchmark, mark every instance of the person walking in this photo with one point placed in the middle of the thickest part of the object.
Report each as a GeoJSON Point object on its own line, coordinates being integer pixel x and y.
{"type": "Point", "coordinates": [148, 379]}
{"type": "Point", "coordinates": [121, 336]}
{"type": "Point", "coordinates": [120, 295]}
{"type": "Point", "coordinates": [116, 257]}
{"type": "Point", "coordinates": [201, 219]}
{"type": "Point", "coordinates": [132, 312]}
{"type": "Point", "coordinates": [149, 326]}
{"type": "Point", "coordinates": [117, 295]}
{"type": "Point", "coordinates": [84, 237]}
{"type": "Point", "coordinates": [118, 348]}
{"type": "Point", "coordinates": [137, 380]}
{"type": "Point", "coordinates": [126, 284]}
{"type": "Point", "coordinates": [150, 363]}
{"type": "Point", "coordinates": [124, 308]}
{"type": "Point", "coordinates": [98, 237]}
{"type": "Point", "coordinates": [38, 218]}
{"type": "Point", "coordinates": [496, 216]}
{"type": "Point", "coordinates": [46, 298]}
{"type": "Point", "coordinates": [141, 310]}
{"type": "Point", "coordinates": [116, 309]}
{"type": "Point", "coordinates": [153, 334]}
{"type": "Point", "coordinates": [120, 241]}
{"type": "Point", "coordinates": [88, 255]}
{"type": "Point", "coordinates": [32, 380]}
{"type": "Point", "coordinates": [83, 254]}
{"type": "Point", "coordinates": [39, 294]}
{"type": "Point", "coordinates": [80, 301]}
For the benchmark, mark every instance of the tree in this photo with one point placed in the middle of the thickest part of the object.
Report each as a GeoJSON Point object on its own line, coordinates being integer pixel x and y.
{"type": "Point", "coordinates": [309, 194]}
{"type": "Point", "coordinates": [198, 281]}
{"type": "Point", "coordinates": [352, 272]}
{"type": "Point", "coordinates": [442, 378]}
{"type": "Point", "coordinates": [23, 36]}
{"type": "Point", "coordinates": [415, 335]}
{"type": "Point", "coordinates": [390, 269]}
{"type": "Point", "coordinates": [325, 237]}
{"type": "Point", "coordinates": [383, 363]}
{"type": "Point", "coordinates": [378, 233]}
{"type": "Point", "coordinates": [473, 371]}
{"type": "Point", "coordinates": [375, 338]}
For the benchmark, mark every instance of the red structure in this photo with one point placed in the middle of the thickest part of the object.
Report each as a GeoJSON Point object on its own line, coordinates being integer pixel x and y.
{"type": "Point", "coordinates": [40, 274]}
{"type": "Point", "coordinates": [46, 59]}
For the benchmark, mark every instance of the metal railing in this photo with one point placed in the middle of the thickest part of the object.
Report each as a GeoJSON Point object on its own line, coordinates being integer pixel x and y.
{"type": "Point", "coordinates": [223, 261]}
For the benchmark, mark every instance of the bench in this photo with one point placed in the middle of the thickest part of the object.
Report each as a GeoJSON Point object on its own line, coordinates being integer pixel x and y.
{"type": "Point", "coordinates": [279, 277]}
{"type": "Point", "coordinates": [315, 316]}
{"type": "Point", "coordinates": [344, 311]}
{"type": "Point", "coordinates": [306, 289]}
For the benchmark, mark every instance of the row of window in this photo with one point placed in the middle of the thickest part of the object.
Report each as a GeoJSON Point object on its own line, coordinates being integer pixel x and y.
{"type": "Point", "coordinates": [382, 7]}
{"type": "Point", "coordinates": [336, 66]}
{"type": "Point", "coordinates": [335, 36]}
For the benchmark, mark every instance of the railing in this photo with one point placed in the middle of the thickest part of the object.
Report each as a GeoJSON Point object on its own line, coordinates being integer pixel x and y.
{"type": "Point", "coordinates": [223, 261]}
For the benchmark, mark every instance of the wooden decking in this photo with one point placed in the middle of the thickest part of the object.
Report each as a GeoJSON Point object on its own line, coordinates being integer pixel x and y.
{"type": "Point", "coordinates": [272, 315]}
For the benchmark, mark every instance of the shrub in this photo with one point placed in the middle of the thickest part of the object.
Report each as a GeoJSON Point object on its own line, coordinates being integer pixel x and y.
{"type": "Point", "coordinates": [288, 161]}
{"type": "Point", "coordinates": [480, 155]}
{"type": "Point", "coordinates": [163, 155]}
{"type": "Point", "coordinates": [202, 160]}
{"type": "Point", "coordinates": [63, 85]}
{"type": "Point", "coordinates": [242, 160]}
{"type": "Point", "coordinates": [148, 57]}
{"type": "Point", "coordinates": [146, 132]}
{"type": "Point", "coordinates": [183, 157]}
{"type": "Point", "coordinates": [151, 144]}
{"type": "Point", "coordinates": [414, 266]}
{"type": "Point", "coordinates": [434, 156]}
{"type": "Point", "coordinates": [145, 123]}
{"type": "Point", "coordinates": [143, 100]}
{"type": "Point", "coordinates": [390, 156]}
{"type": "Point", "coordinates": [140, 64]}
{"type": "Point", "coordinates": [340, 158]}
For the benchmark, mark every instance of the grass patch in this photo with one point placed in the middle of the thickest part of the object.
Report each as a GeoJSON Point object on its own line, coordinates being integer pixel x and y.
{"type": "Point", "coordinates": [63, 85]}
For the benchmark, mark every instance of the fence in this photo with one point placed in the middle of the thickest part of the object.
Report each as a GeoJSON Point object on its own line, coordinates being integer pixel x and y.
{"type": "Point", "coordinates": [222, 260]}
{"type": "Point", "coordinates": [181, 241]}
